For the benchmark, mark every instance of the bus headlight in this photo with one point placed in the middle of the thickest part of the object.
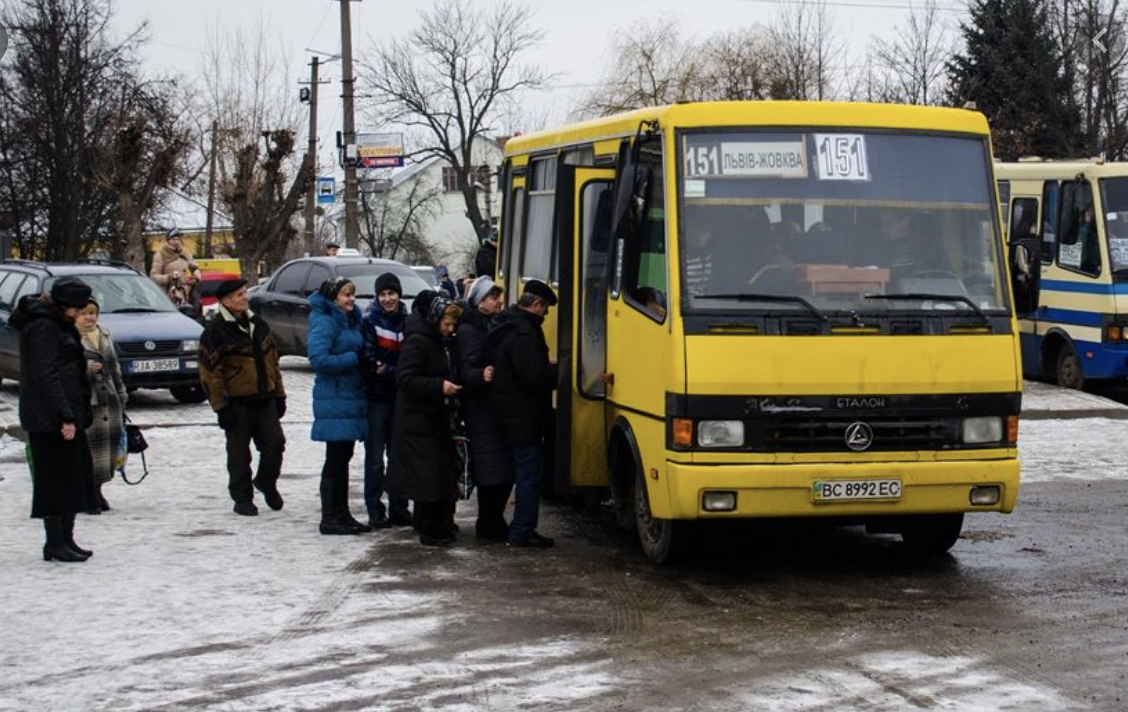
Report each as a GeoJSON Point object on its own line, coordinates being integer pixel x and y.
{"type": "Point", "coordinates": [720, 433]}
{"type": "Point", "coordinates": [982, 430]}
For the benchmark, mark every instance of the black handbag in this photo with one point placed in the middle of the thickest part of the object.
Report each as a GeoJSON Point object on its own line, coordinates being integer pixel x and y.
{"type": "Point", "coordinates": [135, 443]}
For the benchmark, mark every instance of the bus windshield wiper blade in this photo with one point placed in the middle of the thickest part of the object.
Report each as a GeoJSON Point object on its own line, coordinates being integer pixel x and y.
{"type": "Point", "coordinates": [936, 297]}
{"type": "Point", "coordinates": [753, 297]}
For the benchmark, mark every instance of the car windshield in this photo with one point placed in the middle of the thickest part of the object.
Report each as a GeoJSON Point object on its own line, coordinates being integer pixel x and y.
{"type": "Point", "coordinates": [126, 292]}
{"type": "Point", "coordinates": [364, 277]}
{"type": "Point", "coordinates": [1114, 203]}
{"type": "Point", "coordinates": [837, 217]}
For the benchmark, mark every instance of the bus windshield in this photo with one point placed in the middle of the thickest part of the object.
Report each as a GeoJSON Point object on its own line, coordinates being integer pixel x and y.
{"type": "Point", "coordinates": [1114, 201]}
{"type": "Point", "coordinates": [841, 218]}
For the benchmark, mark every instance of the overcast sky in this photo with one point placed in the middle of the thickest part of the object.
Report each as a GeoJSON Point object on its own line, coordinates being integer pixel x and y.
{"type": "Point", "coordinates": [576, 33]}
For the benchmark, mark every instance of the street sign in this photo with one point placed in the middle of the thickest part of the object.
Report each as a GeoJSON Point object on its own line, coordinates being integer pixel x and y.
{"type": "Point", "coordinates": [326, 190]}
{"type": "Point", "coordinates": [379, 150]}
{"type": "Point", "coordinates": [379, 162]}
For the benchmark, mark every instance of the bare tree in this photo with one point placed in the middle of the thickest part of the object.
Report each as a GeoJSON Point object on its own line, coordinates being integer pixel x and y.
{"type": "Point", "coordinates": [913, 65]}
{"type": "Point", "coordinates": [62, 98]}
{"type": "Point", "coordinates": [392, 226]}
{"type": "Point", "coordinates": [805, 51]}
{"type": "Point", "coordinates": [448, 80]}
{"type": "Point", "coordinates": [736, 65]}
{"type": "Point", "coordinates": [260, 178]}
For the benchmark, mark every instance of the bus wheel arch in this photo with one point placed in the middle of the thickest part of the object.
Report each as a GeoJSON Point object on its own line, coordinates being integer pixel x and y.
{"type": "Point", "coordinates": [1062, 361]}
{"type": "Point", "coordinates": [623, 465]}
{"type": "Point", "coordinates": [1052, 343]}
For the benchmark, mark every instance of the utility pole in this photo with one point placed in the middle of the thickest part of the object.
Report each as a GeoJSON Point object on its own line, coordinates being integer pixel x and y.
{"type": "Point", "coordinates": [352, 223]}
{"type": "Point", "coordinates": [211, 191]}
{"type": "Point", "coordinates": [311, 194]}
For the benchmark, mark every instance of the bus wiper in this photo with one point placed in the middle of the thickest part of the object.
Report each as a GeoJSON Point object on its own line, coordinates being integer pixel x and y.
{"type": "Point", "coordinates": [753, 297]}
{"type": "Point", "coordinates": [133, 310]}
{"type": "Point", "coordinates": [935, 297]}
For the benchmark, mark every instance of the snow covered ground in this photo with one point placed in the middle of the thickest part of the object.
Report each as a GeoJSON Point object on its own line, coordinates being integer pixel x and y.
{"type": "Point", "coordinates": [187, 606]}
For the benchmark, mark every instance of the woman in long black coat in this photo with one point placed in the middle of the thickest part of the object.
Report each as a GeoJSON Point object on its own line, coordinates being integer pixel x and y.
{"type": "Point", "coordinates": [55, 411]}
{"type": "Point", "coordinates": [490, 455]}
{"type": "Point", "coordinates": [422, 465]}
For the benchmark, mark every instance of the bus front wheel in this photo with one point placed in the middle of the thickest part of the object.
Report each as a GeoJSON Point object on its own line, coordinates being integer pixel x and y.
{"type": "Point", "coordinates": [664, 541]}
{"type": "Point", "coordinates": [1069, 374]}
{"type": "Point", "coordinates": [931, 534]}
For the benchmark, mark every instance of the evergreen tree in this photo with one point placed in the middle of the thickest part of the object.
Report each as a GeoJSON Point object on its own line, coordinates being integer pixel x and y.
{"type": "Point", "coordinates": [1012, 70]}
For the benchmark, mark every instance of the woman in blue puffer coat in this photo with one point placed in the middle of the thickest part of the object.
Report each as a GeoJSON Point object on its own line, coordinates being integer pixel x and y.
{"type": "Point", "coordinates": [340, 411]}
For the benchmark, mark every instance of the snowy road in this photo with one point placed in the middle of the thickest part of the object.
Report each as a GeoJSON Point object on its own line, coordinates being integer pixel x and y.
{"type": "Point", "coordinates": [186, 606]}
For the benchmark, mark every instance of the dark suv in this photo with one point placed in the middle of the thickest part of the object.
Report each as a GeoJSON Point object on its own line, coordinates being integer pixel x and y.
{"type": "Point", "coordinates": [283, 301]}
{"type": "Point", "coordinates": [158, 346]}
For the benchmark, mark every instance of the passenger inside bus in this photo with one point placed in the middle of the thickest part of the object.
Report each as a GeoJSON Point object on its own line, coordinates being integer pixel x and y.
{"type": "Point", "coordinates": [720, 244]}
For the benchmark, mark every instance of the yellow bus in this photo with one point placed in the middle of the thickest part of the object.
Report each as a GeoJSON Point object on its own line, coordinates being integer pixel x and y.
{"type": "Point", "coordinates": [1073, 307]}
{"type": "Point", "coordinates": [774, 310]}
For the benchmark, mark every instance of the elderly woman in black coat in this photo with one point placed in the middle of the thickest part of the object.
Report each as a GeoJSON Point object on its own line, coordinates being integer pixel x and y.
{"type": "Point", "coordinates": [55, 411]}
{"type": "Point", "coordinates": [423, 466]}
{"type": "Point", "coordinates": [490, 455]}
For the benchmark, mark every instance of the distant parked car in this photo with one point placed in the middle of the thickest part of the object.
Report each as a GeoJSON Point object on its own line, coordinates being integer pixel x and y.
{"type": "Point", "coordinates": [158, 346]}
{"type": "Point", "coordinates": [429, 276]}
{"type": "Point", "coordinates": [283, 301]}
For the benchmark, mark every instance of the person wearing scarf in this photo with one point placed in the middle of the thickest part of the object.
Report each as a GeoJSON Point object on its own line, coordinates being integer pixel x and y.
{"type": "Point", "coordinates": [108, 398]}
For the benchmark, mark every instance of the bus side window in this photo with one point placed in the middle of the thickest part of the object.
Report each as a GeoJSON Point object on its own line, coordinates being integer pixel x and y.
{"type": "Point", "coordinates": [1023, 219]}
{"type": "Point", "coordinates": [1051, 193]}
{"type": "Point", "coordinates": [1079, 247]}
{"type": "Point", "coordinates": [650, 289]}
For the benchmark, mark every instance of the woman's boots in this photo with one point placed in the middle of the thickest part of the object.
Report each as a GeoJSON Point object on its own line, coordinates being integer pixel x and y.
{"type": "Point", "coordinates": [60, 531]}
{"type": "Point", "coordinates": [335, 515]}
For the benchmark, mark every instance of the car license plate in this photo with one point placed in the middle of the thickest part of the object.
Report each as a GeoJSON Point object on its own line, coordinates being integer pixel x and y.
{"type": "Point", "coordinates": [846, 490]}
{"type": "Point", "coordinates": [155, 364]}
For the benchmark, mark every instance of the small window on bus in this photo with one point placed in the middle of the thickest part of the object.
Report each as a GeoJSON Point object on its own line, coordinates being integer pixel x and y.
{"type": "Point", "coordinates": [647, 269]}
{"type": "Point", "coordinates": [1023, 219]}
{"type": "Point", "coordinates": [512, 230]}
{"type": "Point", "coordinates": [1004, 200]}
{"type": "Point", "coordinates": [536, 253]}
{"type": "Point", "coordinates": [1079, 247]}
{"type": "Point", "coordinates": [1051, 194]}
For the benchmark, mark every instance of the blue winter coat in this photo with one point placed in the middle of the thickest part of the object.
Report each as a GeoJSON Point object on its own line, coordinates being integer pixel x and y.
{"type": "Point", "coordinates": [340, 410]}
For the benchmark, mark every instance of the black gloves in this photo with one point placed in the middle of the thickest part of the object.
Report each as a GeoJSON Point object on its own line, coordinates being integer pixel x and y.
{"type": "Point", "coordinates": [226, 418]}
{"type": "Point", "coordinates": [281, 404]}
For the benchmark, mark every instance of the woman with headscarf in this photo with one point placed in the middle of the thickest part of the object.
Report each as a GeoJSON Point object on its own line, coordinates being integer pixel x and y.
{"type": "Point", "coordinates": [55, 411]}
{"type": "Point", "coordinates": [108, 399]}
{"type": "Point", "coordinates": [490, 456]}
{"type": "Point", "coordinates": [423, 465]}
{"type": "Point", "coordinates": [340, 411]}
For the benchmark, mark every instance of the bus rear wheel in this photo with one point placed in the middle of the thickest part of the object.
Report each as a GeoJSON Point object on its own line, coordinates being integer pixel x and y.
{"type": "Point", "coordinates": [664, 541]}
{"type": "Point", "coordinates": [1069, 374]}
{"type": "Point", "coordinates": [931, 534]}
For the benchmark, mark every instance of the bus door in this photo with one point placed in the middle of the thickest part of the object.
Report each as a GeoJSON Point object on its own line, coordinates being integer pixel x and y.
{"type": "Point", "coordinates": [584, 240]}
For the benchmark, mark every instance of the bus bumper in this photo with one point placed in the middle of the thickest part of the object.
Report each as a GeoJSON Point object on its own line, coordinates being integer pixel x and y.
{"type": "Point", "coordinates": [789, 490]}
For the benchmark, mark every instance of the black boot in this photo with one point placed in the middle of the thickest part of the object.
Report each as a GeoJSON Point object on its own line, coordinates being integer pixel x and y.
{"type": "Point", "coordinates": [68, 536]}
{"type": "Point", "coordinates": [56, 549]}
{"type": "Point", "coordinates": [343, 506]}
{"type": "Point", "coordinates": [331, 522]}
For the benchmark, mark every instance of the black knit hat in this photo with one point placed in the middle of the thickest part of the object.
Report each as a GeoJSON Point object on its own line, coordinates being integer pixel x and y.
{"type": "Point", "coordinates": [539, 289]}
{"type": "Point", "coordinates": [388, 281]}
{"type": "Point", "coordinates": [229, 286]}
{"type": "Point", "coordinates": [330, 288]}
{"type": "Point", "coordinates": [422, 303]}
{"type": "Point", "coordinates": [70, 292]}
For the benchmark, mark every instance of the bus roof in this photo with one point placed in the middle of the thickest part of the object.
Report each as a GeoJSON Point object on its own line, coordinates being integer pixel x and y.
{"type": "Point", "coordinates": [756, 113]}
{"type": "Point", "coordinates": [1060, 170]}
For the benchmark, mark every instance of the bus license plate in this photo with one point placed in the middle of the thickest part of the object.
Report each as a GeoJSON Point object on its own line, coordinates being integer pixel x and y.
{"type": "Point", "coordinates": [156, 364]}
{"type": "Point", "coordinates": [846, 490]}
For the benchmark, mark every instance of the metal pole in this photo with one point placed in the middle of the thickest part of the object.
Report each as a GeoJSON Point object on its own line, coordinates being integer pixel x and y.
{"type": "Point", "coordinates": [211, 192]}
{"type": "Point", "coordinates": [311, 194]}
{"type": "Point", "coordinates": [352, 224]}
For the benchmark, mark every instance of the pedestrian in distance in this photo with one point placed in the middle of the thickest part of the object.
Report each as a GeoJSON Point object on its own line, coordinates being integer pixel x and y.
{"type": "Point", "coordinates": [424, 466]}
{"type": "Point", "coordinates": [445, 282]}
{"type": "Point", "coordinates": [383, 331]}
{"type": "Point", "coordinates": [241, 375]}
{"type": "Point", "coordinates": [340, 409]}
{"type": "Point", "coordinates": [524, 378]}
{"type": "Point", "coordinates": [485, 262]}
{"type": "Point", "coordinates": [490, 455]}
{"type": "Point", "coordinates": [55, 412]}
{"type": "Point", "coordinates": [108, 398]}
{"type": "Point", "coordinates": [174, 269]}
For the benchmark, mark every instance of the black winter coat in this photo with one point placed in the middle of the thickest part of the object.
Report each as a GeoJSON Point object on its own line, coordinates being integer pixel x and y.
{"type": "Point", "coordinates": [524, 378]}
{"type": "Point", "coordinates": [490, 455]}
{"type": "Point", "coordinates": [54, 388]}
{"type": "Point", "coordinates": [485, 262]}
{"type": "Point", "coordinates": [422, 464]}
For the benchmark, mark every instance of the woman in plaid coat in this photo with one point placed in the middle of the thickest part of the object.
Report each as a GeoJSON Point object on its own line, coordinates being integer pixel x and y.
{"type": "Point", "coordinates": [107, 400]}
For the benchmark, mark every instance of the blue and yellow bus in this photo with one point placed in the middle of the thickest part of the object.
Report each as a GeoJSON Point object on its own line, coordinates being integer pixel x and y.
{"type": "Point", "coordinates": [1073, 298]}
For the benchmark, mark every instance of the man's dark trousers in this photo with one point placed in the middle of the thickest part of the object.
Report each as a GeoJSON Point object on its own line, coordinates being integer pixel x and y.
{"type": "Point", "coordinates": [253, 419]}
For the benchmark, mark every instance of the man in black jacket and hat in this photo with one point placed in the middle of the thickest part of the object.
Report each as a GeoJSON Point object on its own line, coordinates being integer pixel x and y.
{"type": "Point", "coordinates": [240, 373]}
{"type": "Point", "coordinates": [524, 378]}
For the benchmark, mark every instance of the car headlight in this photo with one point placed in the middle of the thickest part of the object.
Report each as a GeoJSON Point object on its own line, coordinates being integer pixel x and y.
{"type": "Point", "coordinates": [720, 433]}
{"type": "Point", "coordinates": [190, 345]}
{"type": "Point", "coordinates": [982, 430]}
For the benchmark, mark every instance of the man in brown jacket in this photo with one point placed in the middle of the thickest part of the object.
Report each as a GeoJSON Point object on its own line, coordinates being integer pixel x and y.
{"type": "Point", "coordinates": [240, 373]}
